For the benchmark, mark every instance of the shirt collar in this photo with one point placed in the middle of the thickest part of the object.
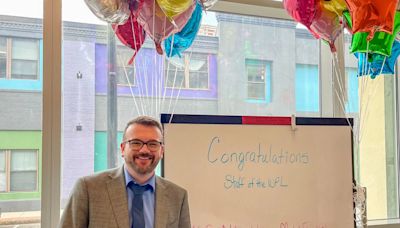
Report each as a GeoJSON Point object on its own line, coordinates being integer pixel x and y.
{"type": "Point", "coordinates": [129, 178]}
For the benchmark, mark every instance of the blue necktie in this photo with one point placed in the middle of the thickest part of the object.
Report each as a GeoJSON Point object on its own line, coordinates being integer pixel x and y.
{"type": "Point", "coordinates": [137, 204]}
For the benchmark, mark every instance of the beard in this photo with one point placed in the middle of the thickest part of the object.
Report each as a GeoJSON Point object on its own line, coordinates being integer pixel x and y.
{"type": "Point", "coordinates": [140, 169]}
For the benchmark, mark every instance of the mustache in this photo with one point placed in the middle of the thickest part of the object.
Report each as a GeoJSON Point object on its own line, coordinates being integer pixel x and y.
{"type": "Point", "coordinates": [144, 155]}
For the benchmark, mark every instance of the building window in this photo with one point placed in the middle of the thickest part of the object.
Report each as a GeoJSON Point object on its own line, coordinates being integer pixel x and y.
{"type": "Point", "coordinates": [258, 79]}
{"type": "Point", "coordinates": [19, 58]}
{"type": "Point", "coordinates": [18, 170]}
{"type": "Point", "coordinates": [125, 72]}
{"type": "Point", "coordinates": [352, 104]}
{"type": "Point", "coordinates": [307, 88]}
{"type": "Point", "coordinates": [189, 72]}
{"type": "Point", "coordinates": [3, 57]}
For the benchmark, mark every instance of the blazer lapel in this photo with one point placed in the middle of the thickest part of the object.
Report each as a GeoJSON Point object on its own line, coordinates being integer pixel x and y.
{"type": "Point", "coordinates": [119, 200]}
{"type": "Point", "coordinates": [161, 210]}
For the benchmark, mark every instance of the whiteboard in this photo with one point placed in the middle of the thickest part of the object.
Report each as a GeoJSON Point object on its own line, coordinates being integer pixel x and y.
{"type": "Point", "coordinates": [262, 175]}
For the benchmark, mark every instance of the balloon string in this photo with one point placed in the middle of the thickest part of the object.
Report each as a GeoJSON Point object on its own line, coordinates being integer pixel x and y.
{"type": "Point", "coordinates": [180, 87]}
{"type": "Point", "coordinates": [383, 64]}
{"type": "Point", "coordinates": [129, 83]}
{"type": "Point", "coordinates": [167, 77]}
{"type": "Point", "coordinates": [341, 89]}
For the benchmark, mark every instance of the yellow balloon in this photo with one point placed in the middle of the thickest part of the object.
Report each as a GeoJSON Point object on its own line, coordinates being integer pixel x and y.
{"type": "Point", "coordinates": [336, 6]}
{"type": "Point", "coordinates": [172, 8]}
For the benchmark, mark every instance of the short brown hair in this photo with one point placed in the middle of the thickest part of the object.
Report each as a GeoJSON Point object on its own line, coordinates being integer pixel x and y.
{"type": "Point", "coordinates": [145, 121]}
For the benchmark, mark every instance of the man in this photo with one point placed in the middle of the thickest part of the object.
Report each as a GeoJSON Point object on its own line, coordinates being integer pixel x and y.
{"type": "Point", "coordinates": [110, 199]}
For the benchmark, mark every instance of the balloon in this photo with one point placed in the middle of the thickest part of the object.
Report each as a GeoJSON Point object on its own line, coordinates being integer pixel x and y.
{"type": "Point", "coordinates": [372, 16]}
{"type": "Point", "coordinates": [207, 4]}
{"type": "Point", "coordinates": [302, 11]}
{"type": "Point", "coordinates": [130, 34]}
{"type": "Point", "coordinates": [135, 6]}
{"type": "Point", "coordinates": [172, 8]}
{"type": "Point", "coordinates": [156, 24]}
{"type": "Point", "coordinates": [378, 64]}
{"type": "Point", "coordinates": [335, 6]}
{"type": "Point", "coordinates": [111, 11]}
{"type": "Point", "coordinates": [326, 25]}
{"type": "Point", "coordinates": [380, 44]}
{"type": "Point", "coordinates": [183, 39]}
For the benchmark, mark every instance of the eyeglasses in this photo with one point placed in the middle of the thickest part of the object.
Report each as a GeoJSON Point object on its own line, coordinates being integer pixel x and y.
{"type": "Point", "coordinates": [137, 144]}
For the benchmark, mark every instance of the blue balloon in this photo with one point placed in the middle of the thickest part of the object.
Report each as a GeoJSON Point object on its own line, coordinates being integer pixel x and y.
{"type": "Point", "coordinates": [378, 64]}
{"type": "Point", "coordinates": [182, 40]}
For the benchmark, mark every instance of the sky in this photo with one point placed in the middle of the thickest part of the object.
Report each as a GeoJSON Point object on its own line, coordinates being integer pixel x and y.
{"type": "Point", "coordinates": [72, 10]}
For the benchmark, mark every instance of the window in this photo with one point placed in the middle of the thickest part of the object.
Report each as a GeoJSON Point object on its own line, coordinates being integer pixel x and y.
{"type": "Point", "coordinates": [189, 72]}
{"type": "Point", "coordinates": [125, 72]}
{"type": "Point", "coordinates": [18, 171]}
{"type": "Point", "coordinates": [258, 74]}
{"type": "Point", "coordinates": [3, 57]}
{"type": "Point", "coordinates": [352, 90]}
{"type": "Point", "coordinates": [307, 88]}
{"type": "Point", "coordinates": [19, 58]}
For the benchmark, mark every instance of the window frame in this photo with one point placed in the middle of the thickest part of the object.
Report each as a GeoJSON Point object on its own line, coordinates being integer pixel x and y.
{"type": "Point", "coordinates": [8, 161]}
{"type": "Point", "coordinates": [187, 57]}
{"type": "Point", "coordinates": [120, 54]}
{"type": "Point", "coordinates": [267, 79]}
{"type": "Point", "coordinates": [9, 59]}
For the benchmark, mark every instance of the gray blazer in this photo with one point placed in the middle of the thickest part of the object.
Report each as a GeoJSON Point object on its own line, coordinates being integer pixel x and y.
{"type": "Point", "coordinates": [101, 200]}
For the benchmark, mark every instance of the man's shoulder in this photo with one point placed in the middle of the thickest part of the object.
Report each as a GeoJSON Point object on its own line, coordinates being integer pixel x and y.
{"type": "Point", "coordinates": [169, 184]}
{"type": "Point", "coordinates": [103, 175]}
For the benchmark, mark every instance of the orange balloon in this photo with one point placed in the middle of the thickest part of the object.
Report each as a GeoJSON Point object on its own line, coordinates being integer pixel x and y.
{"type": "Point", "coordinates": [372, 16]}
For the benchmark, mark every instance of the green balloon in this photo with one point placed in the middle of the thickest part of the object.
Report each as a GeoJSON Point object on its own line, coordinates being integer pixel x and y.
{"type": "Point", "coordinates": [381, 43]}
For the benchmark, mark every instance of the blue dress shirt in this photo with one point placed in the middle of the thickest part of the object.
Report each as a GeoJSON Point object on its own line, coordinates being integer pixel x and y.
{"type": "Point", "coordinates": [148, 199]}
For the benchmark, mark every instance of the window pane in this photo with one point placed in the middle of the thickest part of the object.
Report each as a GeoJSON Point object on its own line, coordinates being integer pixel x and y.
{"type": "Point", "coordinates": [256, 91]}
{"type": "Point", "coordinates": [3, 67]}
{"type": "Point", "coordinates": [125, 71]}
{"type": "Point", "coordinates": [3, 177]}
{"type": "Point", "coordinates": [24, 69]}
{"type": "Point", "coordinates": [307, 88]}
{"type": "Point", "coordinates": [198, 70]}
{"type": "Point", "coordinates": [25, 49]}
{"type": "Point", "coordinates": [23, 174]}
{"type": "Point", "coordinates": [176, 77]}
{"type": "Point", "coordinates": [198, 80]}
{"type": "Point", "coordinates": [257, 73]}
{"type": "Point", "coordinates": [352, 104]}
{"type": "Point", "coordinates": [3, 56]}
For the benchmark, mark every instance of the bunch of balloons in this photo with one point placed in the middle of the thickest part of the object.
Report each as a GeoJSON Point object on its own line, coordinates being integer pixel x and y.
{"type": "Point", "coordinates": [373, 25]}
{"type": "Point", "coordinates": [174, 22]}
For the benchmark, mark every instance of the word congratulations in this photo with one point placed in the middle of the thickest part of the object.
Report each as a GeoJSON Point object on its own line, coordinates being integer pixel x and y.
{"type": "Point", "coordinates": [258, 156]}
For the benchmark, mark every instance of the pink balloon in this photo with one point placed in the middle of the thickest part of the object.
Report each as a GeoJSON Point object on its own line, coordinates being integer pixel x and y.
{"type": "Point", "coordinates": [327, 26]}
{"type": "Point", "coordinates": [157, 25]}
{"type": "Point", "coordinates": [131, 34]}
{"type": "Point", "coordinates": [302, 11]}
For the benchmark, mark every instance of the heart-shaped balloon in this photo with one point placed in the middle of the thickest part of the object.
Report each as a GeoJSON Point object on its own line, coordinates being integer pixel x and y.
{"type": "Point", "coordinates": [158, 26]}
{"type": "Point", "coordinates": [327, 26]}
{"type": "Point", "coordinates": [131, 34]}
{"type": "Point", "coordinates": [179, 42]}
{"type": "Point", "coordinates": [172, 8]}
{"type": "Point", "coordinates": [302, 11]}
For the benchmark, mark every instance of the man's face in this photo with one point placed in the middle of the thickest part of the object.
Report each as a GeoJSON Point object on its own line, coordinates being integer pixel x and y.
{"type": "Point", "coordinates": [142, 161]}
